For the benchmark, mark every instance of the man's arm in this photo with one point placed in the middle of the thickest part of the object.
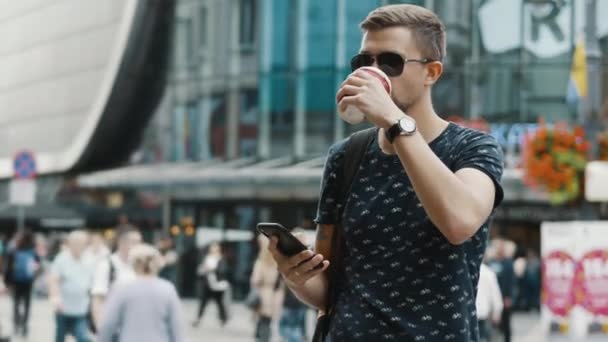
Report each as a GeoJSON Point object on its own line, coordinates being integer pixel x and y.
{"type": "Point", "coordinates": [99, 290]}
{"type": "Point", "coordinates": [54, 292]}
{"type": "Point", "coordinates": [308, 284]}
{"type": "Point", "coordinates": [457, 203]}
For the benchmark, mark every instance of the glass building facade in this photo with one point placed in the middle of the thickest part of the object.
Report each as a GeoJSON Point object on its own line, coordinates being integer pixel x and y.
{"type": "Point", "coordinates": [256, 79]}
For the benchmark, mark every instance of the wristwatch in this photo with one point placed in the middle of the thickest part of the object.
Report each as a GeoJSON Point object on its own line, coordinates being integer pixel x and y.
{"type": "Point", "coordinates": [405, 126]}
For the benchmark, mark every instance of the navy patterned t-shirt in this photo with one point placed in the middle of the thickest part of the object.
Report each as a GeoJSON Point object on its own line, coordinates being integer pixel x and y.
{"type": "Point", "coordinates": [404, 280]}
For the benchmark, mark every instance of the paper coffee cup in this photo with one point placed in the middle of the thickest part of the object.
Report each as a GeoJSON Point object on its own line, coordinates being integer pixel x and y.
{"type": "Point", "coordinates": [352, 114]}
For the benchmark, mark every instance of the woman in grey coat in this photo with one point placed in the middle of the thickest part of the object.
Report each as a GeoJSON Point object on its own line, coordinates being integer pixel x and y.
{"type": "Point", "coordinates": [146, 309]}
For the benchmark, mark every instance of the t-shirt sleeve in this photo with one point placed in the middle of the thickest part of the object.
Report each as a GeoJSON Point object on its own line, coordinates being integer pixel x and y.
{"type": "Point", "coordinates": [101, 278]}
{"type": "Point", "coordinates": [481, 151]}
{"type": "Point", "coordinates": [329, 198]}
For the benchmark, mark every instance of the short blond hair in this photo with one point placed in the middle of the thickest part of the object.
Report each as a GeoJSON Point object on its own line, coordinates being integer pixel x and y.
{"type": "Point", "coordinates": [145, 259]}
{"type": "Point", "coordinates": [427, 29]}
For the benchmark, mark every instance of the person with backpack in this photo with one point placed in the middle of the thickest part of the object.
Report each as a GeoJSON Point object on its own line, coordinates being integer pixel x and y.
{"type": "Point", "coordinates": [23, 267]}
{"type": "Point", "coordinates": [404, 209]}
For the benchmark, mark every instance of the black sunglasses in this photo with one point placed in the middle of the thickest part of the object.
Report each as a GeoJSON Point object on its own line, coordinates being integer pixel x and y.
{"type": "Point", "coordinates": [391, 63]}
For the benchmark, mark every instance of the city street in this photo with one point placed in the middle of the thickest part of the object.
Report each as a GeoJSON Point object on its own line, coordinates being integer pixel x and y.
{"type": "Point", "coordinates": [239, 328]}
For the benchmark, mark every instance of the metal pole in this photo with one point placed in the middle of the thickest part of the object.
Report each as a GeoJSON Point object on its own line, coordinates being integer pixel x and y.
{"type": "Point", "coordinates": [166, 209]}
{"type": "Point", "coordinates": [474, 65]}
{"type": "Point", "coordinates": [20, 218]}
{"type": "Point", "coordinates": [301, 78]}
{"type": "Point", "coordinates": [523, 111]}
{"type": "Point", "coordinates": [594, 55]}
{"type": "Point", "coordinates": [265, 95]}
{"type": "Point", "coordinates": [340, 60]}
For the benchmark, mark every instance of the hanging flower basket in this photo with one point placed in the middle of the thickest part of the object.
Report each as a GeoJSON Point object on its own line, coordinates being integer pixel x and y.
{"type": "Point", "coordinates": [554, 159]}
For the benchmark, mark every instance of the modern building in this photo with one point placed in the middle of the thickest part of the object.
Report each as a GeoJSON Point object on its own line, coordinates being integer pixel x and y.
{"type": "Point", "coordinates": [78, 82]}
{"type": "Point", "coordinates": [249, 111]}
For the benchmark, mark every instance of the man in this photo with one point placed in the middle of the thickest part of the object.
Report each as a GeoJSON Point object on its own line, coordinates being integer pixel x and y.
{"type": "Point", "coordinates": [97, 249]}
{"type": "Point", "coordinates": [116, 269]}
{"type": "Point", "coordinates": [69, 280]}
{"type": "Point", "coordinates": [502, 265]}
{"type": "Point", "coordinates": [415, 222]}
{"type": "Point", "coordinates": [489, 302]}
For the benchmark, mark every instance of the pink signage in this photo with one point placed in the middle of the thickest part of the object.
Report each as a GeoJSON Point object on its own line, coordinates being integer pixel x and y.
{"type": "Point", "coordinates": [558, 271]}
{"type": "Point", "coordinates": [591, 282]}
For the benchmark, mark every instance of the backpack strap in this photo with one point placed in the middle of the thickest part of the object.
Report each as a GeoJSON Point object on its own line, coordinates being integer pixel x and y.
{"type": "Point", "coordinates": [111, 272]}
{"type": "Point", "coordinates": [355, 150]}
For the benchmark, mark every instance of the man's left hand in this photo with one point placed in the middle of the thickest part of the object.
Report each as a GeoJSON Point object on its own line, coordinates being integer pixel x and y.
{"type": "Point", "coordinates": [366, 92]}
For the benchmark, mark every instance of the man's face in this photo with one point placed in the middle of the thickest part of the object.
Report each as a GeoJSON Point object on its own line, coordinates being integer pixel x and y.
{"type": "Point", "coordinates": [77, 245]}
{"type": "Point", "coordinates": [129, 240]}
{"type": "Point", "coordinates": [409, 86]}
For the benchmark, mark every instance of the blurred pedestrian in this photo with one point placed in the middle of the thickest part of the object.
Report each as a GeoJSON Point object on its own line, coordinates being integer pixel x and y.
{"type": "Point", "coordinates": [265, 281]}
{"type": "Point", "coordinates": [145, 309]}
{"type": "Point", "coordinates": [292, 325]}
{"type": "Point", "coordinates": [23, 267]}
{"type": "Point", "coordinates": [170, 258]}
{"type": "Point", "coordinates": [502, 265]}
{"type": "Point", "coordinates": [212, 272]}
{"type": "Point", "coordinates": [98, 249]}
{"type": "Point", "coordinates": [115, 269]}
{"type": "Point", "coordinates": [532, 280]}
{"type": "Point", "coordinates": [3, 290]}
{"type": "Point", "coordinates": [488, 302]}
{"type": "Point", "coordinates": [70, 279]}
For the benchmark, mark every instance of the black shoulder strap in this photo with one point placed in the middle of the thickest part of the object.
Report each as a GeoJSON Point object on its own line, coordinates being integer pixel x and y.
{"type": "Point", "coordinates": [112, 271]}
{"type": "Point", "coordinates": [355, 150]}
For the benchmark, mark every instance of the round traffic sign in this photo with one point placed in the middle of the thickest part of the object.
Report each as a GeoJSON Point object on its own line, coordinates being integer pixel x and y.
{"type": "Point", "coordinates": [24, 165]}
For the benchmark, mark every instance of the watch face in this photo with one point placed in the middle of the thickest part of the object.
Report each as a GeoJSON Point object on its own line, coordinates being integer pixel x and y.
{"type": "Point", "coordinates": [407, 125]}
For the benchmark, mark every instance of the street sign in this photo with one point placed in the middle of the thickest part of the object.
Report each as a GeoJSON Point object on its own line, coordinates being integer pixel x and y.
{"type": "Point", "coordinates": [22, 192]}
{"type": "Point", "coordinates": [24, 165]}
{"type": "Point", "coordinates": [22, 188]}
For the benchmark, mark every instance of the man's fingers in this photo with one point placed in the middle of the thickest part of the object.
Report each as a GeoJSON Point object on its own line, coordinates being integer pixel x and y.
{"type": "Point", "coordinates": [349, 100]}
{"type": "Point", "coordinates": [347, 90]}
{"type": "Point", "coordinates": [304, 276]}
{"type": "Point", "coordinates": [354, 80]}
{"type": "Point", "coordinates": [299, 258]}
{"type": "Point", "coordinates": [313, 262]}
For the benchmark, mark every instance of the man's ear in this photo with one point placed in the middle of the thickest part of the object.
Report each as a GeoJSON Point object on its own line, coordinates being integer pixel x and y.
{"type": "Point", "coordinates": [433, 72]}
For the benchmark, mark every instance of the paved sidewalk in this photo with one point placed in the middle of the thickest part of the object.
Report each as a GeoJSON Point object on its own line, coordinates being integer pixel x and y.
{"type": "Point", "coordinates": [526, 327]}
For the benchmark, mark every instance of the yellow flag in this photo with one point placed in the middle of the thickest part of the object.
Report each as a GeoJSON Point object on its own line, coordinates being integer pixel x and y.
{"type": "Point", "coordinates": [578, 71]}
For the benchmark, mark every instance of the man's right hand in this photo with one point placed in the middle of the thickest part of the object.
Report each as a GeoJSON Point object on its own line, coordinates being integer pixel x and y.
{"type": "Point", "coordinates": [297, 269]}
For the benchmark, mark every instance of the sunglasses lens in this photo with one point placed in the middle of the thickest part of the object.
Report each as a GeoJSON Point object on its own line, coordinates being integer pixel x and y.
{"type": "Point", "coordinates": [360, 61]}
{"type": "Point", "coordinates": [391, 64]}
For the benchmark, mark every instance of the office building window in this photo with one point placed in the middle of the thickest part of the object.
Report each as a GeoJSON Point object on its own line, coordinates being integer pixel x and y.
{"type": "Point", "coordinates": [217, 139]}
{"type": "Point", "coordinates": [203, 24]}
{"type": "Point", "coordinates": [185, 42]}
{"type": "Point", "coordinates": [191, 132]}
{"type": "Point", "coordinates": [247, 21]}
{"type": "Point", "coordinates": [248, 123]}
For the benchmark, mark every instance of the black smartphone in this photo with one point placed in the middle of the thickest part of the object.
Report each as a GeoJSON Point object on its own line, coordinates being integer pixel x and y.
{"type": "Point", "coordinates": [288, 244]}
